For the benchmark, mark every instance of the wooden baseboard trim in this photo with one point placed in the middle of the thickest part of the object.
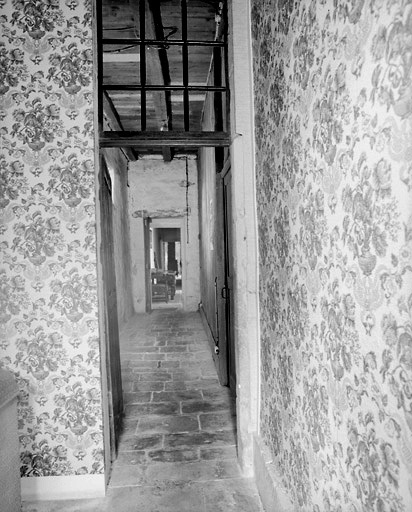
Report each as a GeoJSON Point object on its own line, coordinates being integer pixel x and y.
{"type": "Point", "coordinates": [62, 487]}
{"type": "Point", "coordinates": [272, 494]}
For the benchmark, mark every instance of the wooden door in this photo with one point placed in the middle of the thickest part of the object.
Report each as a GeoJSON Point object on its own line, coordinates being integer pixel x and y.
{"type": "Point", "coordinates": [228, 293]}
{"type": "Point", "coordinates": [115, 392]}
{"type": "Point", "coordinates": [221, 349]}
{"type": "Point", "coordinates": [225, 356]}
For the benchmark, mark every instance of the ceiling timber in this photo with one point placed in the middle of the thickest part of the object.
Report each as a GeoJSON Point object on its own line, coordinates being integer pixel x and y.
{"type": "Point", "coordinates": [180, 59]}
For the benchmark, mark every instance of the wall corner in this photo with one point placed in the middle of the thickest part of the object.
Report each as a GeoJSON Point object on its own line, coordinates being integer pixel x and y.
{"type": "Point", "coordinates": [272, 493]}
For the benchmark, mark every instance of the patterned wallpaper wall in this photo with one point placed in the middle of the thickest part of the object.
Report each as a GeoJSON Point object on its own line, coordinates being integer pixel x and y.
{"type": "Point", "coordinates": [333, 99]}
{"type": "Point", "coordinates": [48, 296]}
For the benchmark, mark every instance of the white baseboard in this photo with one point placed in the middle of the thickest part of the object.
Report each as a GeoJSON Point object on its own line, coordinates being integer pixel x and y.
{"type": "Point", "coordinates": [272, 494]}
{"type": "Point", "coordinates": [62, 487]}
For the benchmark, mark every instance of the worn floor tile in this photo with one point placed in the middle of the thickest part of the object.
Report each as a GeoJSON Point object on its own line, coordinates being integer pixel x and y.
{"type": "Point", "coordinates": [178, 455]}
{"type": "Point", "coordinates": [131, 458]}
{"type": "Point", "coordinates": [177, 396]}
{"type": "Point", "coordinates": [177, 452]}
{"type": "Point", "coordinates": [137, 398]}
{"type": "Point", "coordinates": [173, 498]}
{"type": "Point", "coordinates": [222, 438]}
{"type": "Point", "coordinates": [168, 424]}
{"type": "Point", "coordinates": [139, 410]}
{"type": "Point", "coordinates": [140, 442]}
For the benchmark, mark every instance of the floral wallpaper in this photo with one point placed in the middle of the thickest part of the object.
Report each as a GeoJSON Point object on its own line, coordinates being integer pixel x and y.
{"type": "Point", "coordinates": [333, 104]}
{"type": "Point", "coordinates": [48, 293]}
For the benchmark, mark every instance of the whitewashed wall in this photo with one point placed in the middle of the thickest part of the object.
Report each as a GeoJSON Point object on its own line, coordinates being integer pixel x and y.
{"type": "Point", "coordinates": [157, 189]}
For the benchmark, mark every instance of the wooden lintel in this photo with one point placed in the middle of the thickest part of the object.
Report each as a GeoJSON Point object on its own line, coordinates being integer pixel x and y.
{"type": "Point", "coordinates": [148, 140]}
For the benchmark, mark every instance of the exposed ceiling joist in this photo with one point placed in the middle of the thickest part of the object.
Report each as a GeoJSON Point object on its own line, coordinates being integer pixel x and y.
{"type": "Point", "coordinates": [113, 120]}
{"type": "Point", "coordinates": [144, 85]}
{"type": "Point", "coordinates": [157, 66]}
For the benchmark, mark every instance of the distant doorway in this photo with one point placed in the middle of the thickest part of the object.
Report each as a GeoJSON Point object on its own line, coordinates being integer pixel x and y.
{"type": "Point", "coordinates": [166, 267]}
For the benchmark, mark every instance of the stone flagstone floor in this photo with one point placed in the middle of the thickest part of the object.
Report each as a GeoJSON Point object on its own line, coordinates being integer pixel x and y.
{"type": "Point", "coordinates": [177, 451]}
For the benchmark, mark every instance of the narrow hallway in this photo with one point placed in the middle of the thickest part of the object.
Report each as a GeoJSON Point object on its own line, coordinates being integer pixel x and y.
{"type": "Point", "coordinates": [177, 452]}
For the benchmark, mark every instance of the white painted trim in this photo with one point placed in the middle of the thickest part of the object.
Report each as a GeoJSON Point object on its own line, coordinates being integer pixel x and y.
{"type": "Point", "coordinates": [62, 487]}
{"type": "Point", "coordinates": [245, 248]}
{"type": "Point", "coordinates": [272, 493]}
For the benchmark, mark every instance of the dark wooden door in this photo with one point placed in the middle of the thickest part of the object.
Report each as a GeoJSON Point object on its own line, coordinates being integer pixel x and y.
{"type": "Point", "coordinates": [228, 292]}
{"type": "Point", "coordinates": [225, 354]}
{"type": "Point", "coordinates": [115, 392]}
{"type": "Point", "coordinates": [221, 349]}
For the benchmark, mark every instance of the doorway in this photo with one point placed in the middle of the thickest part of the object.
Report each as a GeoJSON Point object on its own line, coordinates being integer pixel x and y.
{"type": "Point", "coordinates": [166, 262]}
{"type": "Point", "coordinates": [165, 267]}
{"type": "Point", "coordinates": [137, 140]}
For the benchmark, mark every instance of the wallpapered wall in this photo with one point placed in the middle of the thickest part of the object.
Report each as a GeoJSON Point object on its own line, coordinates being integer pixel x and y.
{"type": "Point", "coordinates": [48, 297]}
{"type": "Point", "coordinates": [333, 99]}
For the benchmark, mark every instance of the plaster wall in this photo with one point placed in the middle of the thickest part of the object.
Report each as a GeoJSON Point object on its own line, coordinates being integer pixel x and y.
{"type": "Point", "coordinates": [138, 263]}
{"type": "Point", "coordinates": [333, 114]}
{"type": "Point", "coordinates": [158, 190]}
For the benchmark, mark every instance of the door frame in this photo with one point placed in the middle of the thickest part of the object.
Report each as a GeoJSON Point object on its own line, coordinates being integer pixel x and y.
{"type": "Point", "coordinates": [226, 177]}
{"type": "Point", "coordinates": [147, 222]}
{"type": "Point", "coordinates": [114, 374]}
{"type": "Point", "coordinates": [223, 350]}
{"type": "Point", "coordinates": [107, 408]}
{"type": "Point", "coordinates": [245, 253]}
{"type": "Point", "coordinates": [177, 223]}
{"type": "Point", "coordinates": [245, 233]}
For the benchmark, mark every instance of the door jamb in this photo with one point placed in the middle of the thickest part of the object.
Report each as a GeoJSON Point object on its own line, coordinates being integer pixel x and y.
{"type": "Point", "coordinates": [245, 249]}
{"type": "Point", "coordinates": [103, 334]}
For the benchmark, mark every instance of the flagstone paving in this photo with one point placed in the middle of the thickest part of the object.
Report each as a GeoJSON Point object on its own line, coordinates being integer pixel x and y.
{"type": "Point", "coordinates": [177, 450]}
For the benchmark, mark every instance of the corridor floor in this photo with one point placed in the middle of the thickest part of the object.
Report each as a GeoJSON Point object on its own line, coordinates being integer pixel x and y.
{"type": "Point", "coordinates": [177, 451]}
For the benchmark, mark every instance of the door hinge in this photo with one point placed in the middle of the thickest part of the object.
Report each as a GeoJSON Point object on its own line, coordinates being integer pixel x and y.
{"type": "Point", "coordinates": [225, 292]}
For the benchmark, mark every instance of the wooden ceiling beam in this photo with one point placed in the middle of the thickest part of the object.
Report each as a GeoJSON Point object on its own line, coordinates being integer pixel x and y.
{"type": "Point", "coordinates": [157, 65]}
{"type": "Point", "coordinates": [160, 42]}
{"type": "Point", "coordinates": [173, 139]}
{"type": "Point", "coordinates": [113, 121]}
